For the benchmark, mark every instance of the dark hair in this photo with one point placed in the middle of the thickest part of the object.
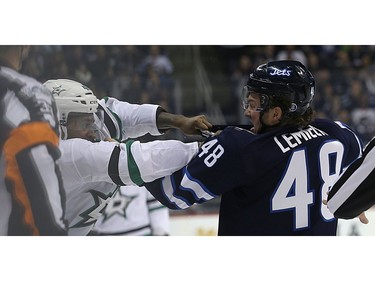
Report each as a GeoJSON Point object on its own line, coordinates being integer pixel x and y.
{"type": "Point", "coordinates": [301, 120]}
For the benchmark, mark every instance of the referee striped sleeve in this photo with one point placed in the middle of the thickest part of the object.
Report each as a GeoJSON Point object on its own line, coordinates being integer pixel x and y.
{"type": "Point", "coordinates": [34, 181]}
{"type": "Point", "coordinates": [354, 192]}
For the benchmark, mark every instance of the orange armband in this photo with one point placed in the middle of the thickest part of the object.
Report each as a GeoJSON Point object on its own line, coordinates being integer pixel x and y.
{"type": "Point", "coordinates": [22, 138]}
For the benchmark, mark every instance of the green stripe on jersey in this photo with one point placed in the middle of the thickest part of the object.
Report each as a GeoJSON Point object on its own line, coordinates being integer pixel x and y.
{"type": "Point", "coordinates": [135, 174]}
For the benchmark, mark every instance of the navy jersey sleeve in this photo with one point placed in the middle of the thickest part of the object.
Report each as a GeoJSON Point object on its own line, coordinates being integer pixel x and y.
{"type": "Point", "coordinates": [216, 168]}
{"type": "Point", "coordinates": [346, 136]}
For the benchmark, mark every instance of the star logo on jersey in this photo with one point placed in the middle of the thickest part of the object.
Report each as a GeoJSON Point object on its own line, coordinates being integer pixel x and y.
{"type": "Point", "coordinates": [91, 215]}
{"type": "Point", "coordinates": [118, 205]}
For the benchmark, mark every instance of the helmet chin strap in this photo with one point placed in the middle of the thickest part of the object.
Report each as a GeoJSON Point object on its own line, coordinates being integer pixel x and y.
{"type": "Point", "coordinates": [64, 134]}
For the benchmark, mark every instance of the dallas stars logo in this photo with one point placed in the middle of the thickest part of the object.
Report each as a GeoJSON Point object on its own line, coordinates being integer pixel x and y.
{"type": "Point", "coordinates": [57, 90]}
{"type": "Point", "coordinates": [91, 215]}
{"type": "Point", "coordinates": [118, 205]}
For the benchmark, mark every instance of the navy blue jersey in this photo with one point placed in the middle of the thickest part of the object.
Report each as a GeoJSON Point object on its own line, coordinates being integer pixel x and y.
{"type": "Point", "coordinates": [271, 183]}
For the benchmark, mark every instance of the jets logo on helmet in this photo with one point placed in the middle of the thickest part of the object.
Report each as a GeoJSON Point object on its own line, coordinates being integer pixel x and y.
{"type": "Point", "coordinates": [283, 72]}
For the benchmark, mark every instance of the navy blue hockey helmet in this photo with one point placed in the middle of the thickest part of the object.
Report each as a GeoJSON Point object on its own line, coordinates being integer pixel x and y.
{"type": "Point", "coordinates": [285, 79]}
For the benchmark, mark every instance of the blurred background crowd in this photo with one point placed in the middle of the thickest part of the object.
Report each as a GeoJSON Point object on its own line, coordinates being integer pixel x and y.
{"type": "Point", "coordinates": [209, 79]}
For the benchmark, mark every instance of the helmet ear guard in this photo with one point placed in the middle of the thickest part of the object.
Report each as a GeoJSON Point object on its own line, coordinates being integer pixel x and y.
{"type": "Point", "coordinates": [264, 99]}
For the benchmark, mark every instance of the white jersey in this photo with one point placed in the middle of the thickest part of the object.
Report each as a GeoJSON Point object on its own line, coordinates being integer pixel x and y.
{"type": "Point", "coordinates": [92, 172]}
{"type": "Point", "coordinates": [124, 120]}
{"type": "Point", "coordinates": [133, 211]}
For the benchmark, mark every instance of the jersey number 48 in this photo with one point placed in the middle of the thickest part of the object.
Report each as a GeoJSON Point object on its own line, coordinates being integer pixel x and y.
{"type": "Point", "coordinates": [293, 192]}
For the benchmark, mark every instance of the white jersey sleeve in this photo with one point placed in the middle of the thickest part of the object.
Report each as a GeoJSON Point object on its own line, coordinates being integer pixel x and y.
{"type": "Point", "coordinates": [131, 163]}
{"type": "Point", "coordinates": [124, 120]}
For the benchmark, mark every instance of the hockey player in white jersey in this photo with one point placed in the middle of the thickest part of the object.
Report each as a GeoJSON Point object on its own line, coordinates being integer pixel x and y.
{"type": "Point", "coordinates": [92, 171]}
{"type": "Point", "coordinates": [133, 211]}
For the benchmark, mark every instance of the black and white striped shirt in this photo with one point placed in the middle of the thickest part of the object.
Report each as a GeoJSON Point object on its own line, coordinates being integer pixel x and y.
{"type": "Point", "coordinates": [31, 193]}
{"type": "Point", "coordinates": [354, 192]}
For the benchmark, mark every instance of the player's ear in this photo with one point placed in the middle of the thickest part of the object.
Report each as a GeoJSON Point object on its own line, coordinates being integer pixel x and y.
{"type": "Point", "coordinates": [277, 113]}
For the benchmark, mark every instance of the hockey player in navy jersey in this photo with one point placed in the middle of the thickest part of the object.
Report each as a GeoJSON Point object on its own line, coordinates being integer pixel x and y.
{"type": "Point", "coordinates": [272, 180]}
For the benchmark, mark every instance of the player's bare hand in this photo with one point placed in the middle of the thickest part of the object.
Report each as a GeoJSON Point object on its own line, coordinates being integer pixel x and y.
{"type": "Point", "coordinates": [188, 125]}
{"type": "Point", "coordinates": [193, 125]}
{"type": "Point", "coordinates": [363, 219]}
{"type": "Point", "coordinates": [110, 140]}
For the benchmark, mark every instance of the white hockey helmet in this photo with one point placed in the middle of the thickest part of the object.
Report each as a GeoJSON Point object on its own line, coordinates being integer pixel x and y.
{"type": "Point", "coordinates": [71, 97]}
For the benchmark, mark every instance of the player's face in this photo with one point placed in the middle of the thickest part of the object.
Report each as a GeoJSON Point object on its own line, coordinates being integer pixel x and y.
{"type": "Point", "coordinates": [251, 106]}
{"type": "Point", "coordinates": [81, 125]}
